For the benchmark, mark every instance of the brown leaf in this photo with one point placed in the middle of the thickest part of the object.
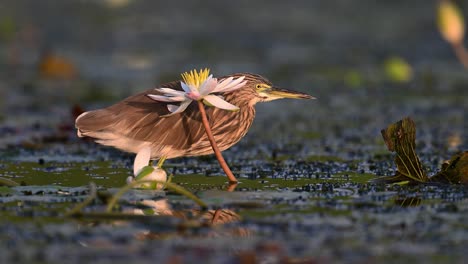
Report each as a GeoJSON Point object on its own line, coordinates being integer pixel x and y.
{"type": "Point", "coordinates": [53, 66]}
{"type": "Point", "coordinates": [400, 138]}
{"type": "Point", "coordinates": [454, 171]}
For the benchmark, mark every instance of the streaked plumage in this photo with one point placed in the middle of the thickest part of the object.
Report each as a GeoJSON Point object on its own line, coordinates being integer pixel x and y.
{"type": "Point", "coordinates": [137, 122]}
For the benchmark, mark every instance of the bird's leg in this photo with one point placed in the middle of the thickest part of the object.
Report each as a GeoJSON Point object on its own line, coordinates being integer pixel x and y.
{"type": "Point", "coordinates": [216, 216]}
{"type": "Point", "coordinates": [161, 162]}
{"type": "Point", "coordinates": [218, 154]}
{"type": "Point", "coordinates": [231, 187]}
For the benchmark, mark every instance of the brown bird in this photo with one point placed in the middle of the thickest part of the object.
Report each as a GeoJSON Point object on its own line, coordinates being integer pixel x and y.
{"type": "Point", "coordinates": [139, 122]}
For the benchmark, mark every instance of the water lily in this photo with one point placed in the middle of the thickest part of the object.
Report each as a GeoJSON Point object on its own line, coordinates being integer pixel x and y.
{"type": "Point", "coordinates": [142, 170]}
{"type": "Point", "coordinates": [199, 86]}
{"type": "Point", "coordinates": [205, 90]}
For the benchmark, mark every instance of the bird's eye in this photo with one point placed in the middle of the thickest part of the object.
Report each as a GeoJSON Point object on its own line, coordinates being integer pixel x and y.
{"type": "Point", "coordinates": [258, 86]}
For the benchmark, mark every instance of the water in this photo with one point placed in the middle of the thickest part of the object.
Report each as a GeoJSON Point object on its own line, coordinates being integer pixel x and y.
{"type": "Point", "coordinates": [304, 167]}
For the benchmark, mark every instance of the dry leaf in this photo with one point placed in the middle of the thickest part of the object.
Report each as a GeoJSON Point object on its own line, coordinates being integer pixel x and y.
{"type": "Point", "coordinates": [454, 171]}
{"type": "Point", "coordinates": [400, 138]}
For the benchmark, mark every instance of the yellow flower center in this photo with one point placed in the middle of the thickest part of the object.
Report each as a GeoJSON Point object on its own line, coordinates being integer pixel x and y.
{"type": "Point", "coordinates": [195, 78]}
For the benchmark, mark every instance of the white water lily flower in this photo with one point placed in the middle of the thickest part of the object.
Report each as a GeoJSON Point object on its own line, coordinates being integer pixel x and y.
{"type": "Point", "coordinates": [199, 86]}
{"type": "Point", "coordinates": [142, 160]}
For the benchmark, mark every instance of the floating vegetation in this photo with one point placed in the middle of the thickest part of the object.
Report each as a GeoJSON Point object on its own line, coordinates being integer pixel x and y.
{"type": "Point", "coordinates": [304, 193]}
{"type": "Point", "coordinates": [400, 138]}
{"type": "Point", "coordinates": [398, 70]}
{"type": "Point", "coordinates": [7, 182]}
{"type": "Point", "coordinates": [112, 201]}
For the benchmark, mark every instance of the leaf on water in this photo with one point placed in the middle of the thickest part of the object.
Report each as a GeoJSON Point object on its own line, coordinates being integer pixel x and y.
{"type": "Point", "coordinates": [8, 28]}
{"type": "Point", "coordinates": [7, 182]}
{"type": "Point", "coordinates": [454, 171]}
{"type": "Point", "coordinates": [398, 70]}
{"type": "Point", "coordinates": [4, 191]}
{"type": "Point", "coordinates": [400, 138]}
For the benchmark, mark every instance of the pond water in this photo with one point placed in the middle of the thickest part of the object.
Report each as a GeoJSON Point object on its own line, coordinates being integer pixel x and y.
{"type": "Point", "coordinates": [305, 168]}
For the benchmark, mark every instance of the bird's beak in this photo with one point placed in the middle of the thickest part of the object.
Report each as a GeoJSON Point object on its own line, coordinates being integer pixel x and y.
{"type": "Point", "coordinates": [278, 93]}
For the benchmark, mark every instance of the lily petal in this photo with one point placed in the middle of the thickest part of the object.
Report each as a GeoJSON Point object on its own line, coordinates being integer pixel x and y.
{"type": "Point", "coordinates": [142, 159]}
{"type": "Point", "coordinates": [169, 99]}
{"type": "Point", "coordinates": [223, 83]}
{"type": "Point", "coordinates": [232, 85]}
{"type": "Point", "coordinates": [192, 88]}
{"type": "Point", "coordinates": [169, 91]}
{"type": "Point", "coordinates": [185, 87]}
{"type": "Point", "coordinates": [220, 103]}
{"type": "Point", "coordinates": [174, 109]}
{"type": "Point", "coordinates": [208, 86]}
{"type": "Point", "coordinates": [235, 87]}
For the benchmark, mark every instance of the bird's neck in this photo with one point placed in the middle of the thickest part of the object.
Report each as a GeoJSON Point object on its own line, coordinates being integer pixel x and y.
{"type": "Point", "coordinates": [240, 121]}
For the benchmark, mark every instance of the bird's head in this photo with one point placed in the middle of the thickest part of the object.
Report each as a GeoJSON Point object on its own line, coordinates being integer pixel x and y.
{"type": "Point", "coordinates": [259, 89]}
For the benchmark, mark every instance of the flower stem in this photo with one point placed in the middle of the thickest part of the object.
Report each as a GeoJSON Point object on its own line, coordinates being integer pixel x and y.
{"type": "Point", "coordinates": [92, 195]}
{"type": "Point", "coordinates": [461, 53]}
{"type": "Point", "coordinates": [218, 154]}
{"type": "Point", "coordinates": [171, 186]}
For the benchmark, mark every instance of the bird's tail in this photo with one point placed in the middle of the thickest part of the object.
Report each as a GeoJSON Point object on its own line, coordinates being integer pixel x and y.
{"type": "Point", "coordinates": [92, 123]}
{"type": "Point", "coordinates": [100, 126]}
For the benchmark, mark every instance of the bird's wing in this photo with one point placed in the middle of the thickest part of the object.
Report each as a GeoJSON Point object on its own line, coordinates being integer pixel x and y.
{"type": "Point", "coordinates": [137, 121]}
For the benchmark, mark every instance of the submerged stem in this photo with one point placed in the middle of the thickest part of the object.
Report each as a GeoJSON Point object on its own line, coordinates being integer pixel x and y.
{"type": "Point", "coordinates": [171, 186]}
{"type": "Point", "coordinates": [218, 154]}
{"type": "Point", "coordinates": [92, 195]}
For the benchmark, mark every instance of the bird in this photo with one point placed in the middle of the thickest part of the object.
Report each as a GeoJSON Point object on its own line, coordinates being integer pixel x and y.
{"type": "Point", "coordinates": [139, 122]}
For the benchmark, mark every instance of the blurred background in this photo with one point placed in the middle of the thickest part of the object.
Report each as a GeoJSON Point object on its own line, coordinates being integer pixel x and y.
{"type": "Point", "coordinates": [369, 63]}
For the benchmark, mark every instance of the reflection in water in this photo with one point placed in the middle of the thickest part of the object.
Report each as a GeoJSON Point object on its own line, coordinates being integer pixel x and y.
{"type": "Point", "coordinates": [407, 201]}
{"type": "Point", "coordinates": [152, 207]}
{"type": "Point", "coordinates": [211, 220]}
